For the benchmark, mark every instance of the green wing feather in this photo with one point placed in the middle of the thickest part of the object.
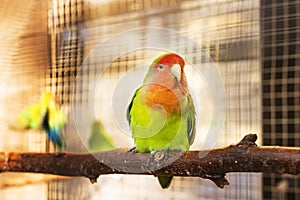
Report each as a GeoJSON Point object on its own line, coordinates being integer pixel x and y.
{"type": "Point", "coordinates": [128, 115]}
{"type": "Point", "coordinates": [191, 120]}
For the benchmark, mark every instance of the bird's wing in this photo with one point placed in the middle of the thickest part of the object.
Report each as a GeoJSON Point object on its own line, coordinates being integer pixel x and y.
{"type": "Point", "coordinates": [30, 117]}
{"type": "Point", "coordinates": [130, 106]}
{"type": "Point", "coordinates": [191, 120]}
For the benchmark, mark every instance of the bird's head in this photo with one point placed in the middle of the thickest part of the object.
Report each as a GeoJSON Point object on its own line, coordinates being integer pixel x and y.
{"type": "Point", "coordinates": [166, 70]}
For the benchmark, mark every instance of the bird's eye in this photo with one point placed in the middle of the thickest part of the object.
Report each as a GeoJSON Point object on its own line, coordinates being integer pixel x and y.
{"type": "Point", "coordinates": [160, 67]}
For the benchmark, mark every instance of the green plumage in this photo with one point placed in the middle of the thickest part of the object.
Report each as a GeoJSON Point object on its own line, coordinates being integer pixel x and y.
{"type": "Point", "coordinates": [154, 128]}
{"type": "Point", "coordinates": [99, 139]}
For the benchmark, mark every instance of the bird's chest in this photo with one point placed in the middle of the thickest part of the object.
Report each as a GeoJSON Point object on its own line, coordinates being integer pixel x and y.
{"type": "Point", "coordinates": [162, 132]}
{"type": "Point", "coordinates": [165, 99]}
{"type": "Point", "coordinates": [159, 122]}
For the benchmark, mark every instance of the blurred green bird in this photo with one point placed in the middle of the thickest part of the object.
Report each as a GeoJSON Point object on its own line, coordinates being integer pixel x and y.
{"type": "Point", "coordinates": [99, 139]}
{"type": "Point", "coordinates": [45, 115]}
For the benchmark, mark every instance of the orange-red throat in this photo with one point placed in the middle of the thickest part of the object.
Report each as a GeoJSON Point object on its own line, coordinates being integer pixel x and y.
{"type": "Point", "coordinates": [166, 83]}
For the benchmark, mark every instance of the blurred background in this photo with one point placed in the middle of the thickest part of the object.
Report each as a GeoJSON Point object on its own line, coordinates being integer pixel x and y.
{"type": "Point", "coordinates": [254, 44]}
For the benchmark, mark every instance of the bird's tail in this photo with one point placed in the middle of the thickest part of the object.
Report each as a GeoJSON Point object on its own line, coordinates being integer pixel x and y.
{"type": "Point", "coordinates": [53, 133]}
{"type": "Point", "coordinates": [165, 181]}
{"type": "Point", "coordinates": [55, 136]}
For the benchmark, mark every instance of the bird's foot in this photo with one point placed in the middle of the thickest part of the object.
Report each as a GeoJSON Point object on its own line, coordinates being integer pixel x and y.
{"type": "Point", "coordinates": [158, 159]}
{"type": "Point", "coordinates": [157, 156]}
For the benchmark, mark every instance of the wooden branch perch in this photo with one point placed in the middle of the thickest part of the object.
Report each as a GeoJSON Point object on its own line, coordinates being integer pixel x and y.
{"type": "Point", "coordinates": [210, 164]}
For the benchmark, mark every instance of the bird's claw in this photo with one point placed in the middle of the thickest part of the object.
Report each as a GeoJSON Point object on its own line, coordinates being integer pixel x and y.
{"type": "Point", "coordinates": [158, 159]}
{"type": "Point", "coordinates": [156, 156]}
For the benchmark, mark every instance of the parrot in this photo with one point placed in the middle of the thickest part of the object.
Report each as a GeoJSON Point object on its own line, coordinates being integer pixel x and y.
{"type": "Point", "coordinates": [99, 140]}
{"type": "Point", "coordinates": [45, 115]}
{"type": "Point", "coordinates": [161, 113]}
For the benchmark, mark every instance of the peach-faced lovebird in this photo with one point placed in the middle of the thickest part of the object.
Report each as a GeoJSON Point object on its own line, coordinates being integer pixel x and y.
{"type": "Point", "coordinates": [161, 114]}
{"type": "Point", "coordinates": [45, 115]}
{"type": "Point", "coordinates": [99, 139]}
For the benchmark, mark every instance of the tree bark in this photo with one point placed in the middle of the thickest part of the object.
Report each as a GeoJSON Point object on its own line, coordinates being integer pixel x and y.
{"type": "Point", "coordinates": [210, 164]}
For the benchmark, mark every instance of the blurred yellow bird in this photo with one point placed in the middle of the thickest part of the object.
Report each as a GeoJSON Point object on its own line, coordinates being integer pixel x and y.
{"type": "Point", "coordinates": [45, 115]}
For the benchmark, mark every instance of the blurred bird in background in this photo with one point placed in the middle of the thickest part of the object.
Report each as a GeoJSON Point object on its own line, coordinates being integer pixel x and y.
{"type": "Point", "coordinates": [99, 139]}
{"type": "Point", "coordinates": [47, 116]}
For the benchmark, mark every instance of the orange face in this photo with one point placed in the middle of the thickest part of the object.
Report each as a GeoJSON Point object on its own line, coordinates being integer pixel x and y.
{"type": "Point", "coordinates": [167, 85]}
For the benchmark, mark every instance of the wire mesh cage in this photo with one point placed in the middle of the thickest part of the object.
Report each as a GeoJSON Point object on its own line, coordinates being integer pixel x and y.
{"type": "Point", "coordinates": [93, 54]}
{"type": "Point", "coordinates": [280, 83]}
